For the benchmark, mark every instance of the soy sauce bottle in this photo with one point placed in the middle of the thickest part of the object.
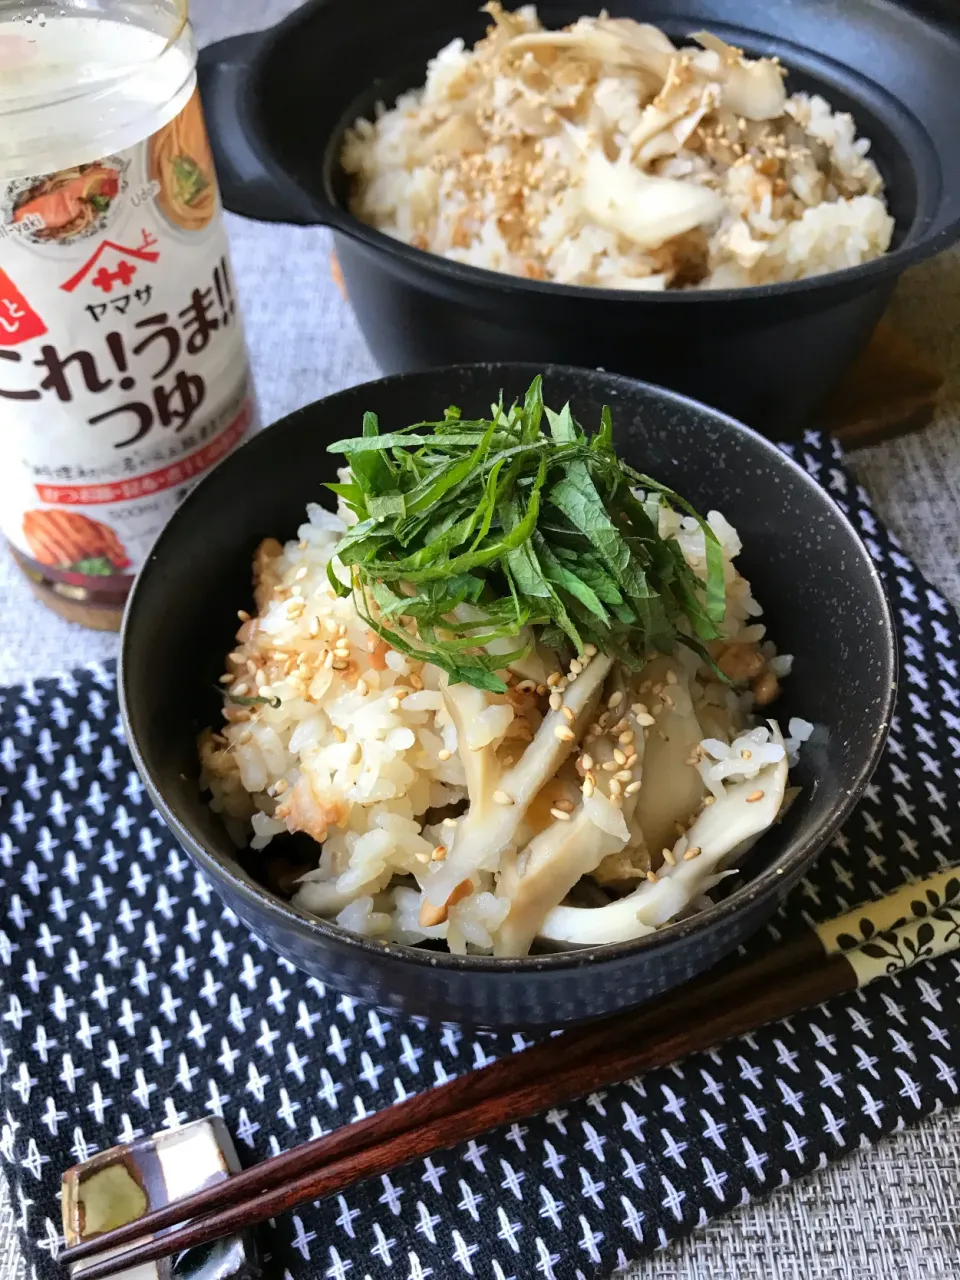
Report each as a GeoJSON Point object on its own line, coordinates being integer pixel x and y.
{"type": "Point", "coordinates": [124, 374]}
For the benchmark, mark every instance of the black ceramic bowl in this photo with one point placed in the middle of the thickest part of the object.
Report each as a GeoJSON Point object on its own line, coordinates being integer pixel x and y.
{"type": "Point", "coordinates": [823, 601]}
{"type": "Point", "coordinates": [277, 104]}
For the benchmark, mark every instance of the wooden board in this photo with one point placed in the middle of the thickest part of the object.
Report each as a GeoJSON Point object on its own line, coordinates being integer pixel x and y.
{"type": "Point", "coordinates": [891, 390]}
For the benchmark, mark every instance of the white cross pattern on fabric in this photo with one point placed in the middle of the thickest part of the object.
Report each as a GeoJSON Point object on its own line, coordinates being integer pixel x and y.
{"type": "Point", "coordinates": [132, 999]}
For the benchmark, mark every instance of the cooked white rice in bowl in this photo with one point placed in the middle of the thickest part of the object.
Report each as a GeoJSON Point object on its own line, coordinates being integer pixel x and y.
{"type": "Point", "coordinates": [591, 800]}
{"type": "Point", "coordinates": [602, 155]}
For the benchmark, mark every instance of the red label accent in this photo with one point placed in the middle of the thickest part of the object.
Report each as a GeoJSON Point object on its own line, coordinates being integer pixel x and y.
{"type": "Point", "coordinates": [188, 468]}
{"type": "Point", "coordinates": [144, 252]}
{"type": "Point", "coordinates": [18, 320]}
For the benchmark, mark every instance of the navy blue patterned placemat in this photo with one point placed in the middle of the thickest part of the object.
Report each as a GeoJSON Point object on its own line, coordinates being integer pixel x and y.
{"type": "Point", "coordinates": [132, 1000]}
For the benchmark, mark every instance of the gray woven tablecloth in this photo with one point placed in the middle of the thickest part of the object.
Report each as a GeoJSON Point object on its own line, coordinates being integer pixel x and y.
{"type": "Point", "coordinates": [891, 1211]}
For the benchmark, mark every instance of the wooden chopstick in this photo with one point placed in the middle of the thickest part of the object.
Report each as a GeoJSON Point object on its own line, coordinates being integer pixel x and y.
{"type": "Point", "coordinates": [442, 1100]}
{"type": "Point", "coordinates": [699, 1015]}
{"type": "Point", "coordinates": [777, 997]}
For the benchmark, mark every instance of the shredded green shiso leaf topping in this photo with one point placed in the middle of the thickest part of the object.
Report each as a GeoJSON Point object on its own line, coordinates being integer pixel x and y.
{"type": "Point", "coordinates": [248, 700]}
{"type": "Point", "coordinates": [474, 530]}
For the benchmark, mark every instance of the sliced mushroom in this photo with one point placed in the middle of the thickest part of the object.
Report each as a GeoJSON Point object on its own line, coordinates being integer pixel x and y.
{"type": "Point", "coordinates": [490, 826]}
{"type": "Point", "coordinates": [645, 209]}
{"type": "Point", "coordinates": [618, 42]}
{"type": "Point", "coordinates": [543, 873]}
{"type": "Point", "coordinates": [540, 876]}
{"type": "Point", "coordinates": [752, 87]}
{"type": "Point", "coordinates": [672, 788]}
{"type": "Point", "coordinates": [457, 135]}
{"type": "Point", "coordinates": [722, 832]}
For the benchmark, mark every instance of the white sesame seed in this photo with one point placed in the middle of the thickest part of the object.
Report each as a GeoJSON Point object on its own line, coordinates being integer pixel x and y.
{"type": "Point", "coordinates": [616, 787]}
{"type": "Point", "coordinates": [645, 720]}
{"type": "Point", "coordinates": [300, 574]}
{"type": "Point", "coordinates": [587, 762]}
{"type": "Point", "coordinates": [652, 877]}
{"type": "Point", "coordinates": [556, 701]}
{"type": "Point", "coordinates": [501, 797]}
{"type": "Point", "coordinates": [623, 775]}
{"type": "Point", "coordinates": [564, 734]}
{"type": "Point", "coordinates": [669, 858]}
{"type": "Point", "coordinates": [588, 788]}
{"type": "Point", "coordinates": [554, 678]}
{"type": "Point", "coordinates": [614, 700]}
{"type": "Point", "coordinates": [444, 754]}
{"type": "Point", "coordinates": [620, 756]}
{"type": "Point", "coordinates": [560, 815]}
{"type": "Point", "coordinates": [626, 737]}
{"type": "Point", "coordinates": [590, 650]}
{"type": "Point", "coordinates": [632, 788]}
{"type": "Point", "coordinates": [691, 853]}
{"type": "Point", "coordinates": [754, 797]}
{"type": "Point", "coordinates": [567, 714]}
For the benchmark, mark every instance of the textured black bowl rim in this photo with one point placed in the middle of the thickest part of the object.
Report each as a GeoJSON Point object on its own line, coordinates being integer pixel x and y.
{"type": "Point", "coordinates": [917, 244]}
{"type": "Point", "coordinates": [786, 871]}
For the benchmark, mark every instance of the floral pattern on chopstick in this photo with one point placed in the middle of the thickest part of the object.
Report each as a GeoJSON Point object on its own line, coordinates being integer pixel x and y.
{"type": "Point", "coordinates": [933, 929]}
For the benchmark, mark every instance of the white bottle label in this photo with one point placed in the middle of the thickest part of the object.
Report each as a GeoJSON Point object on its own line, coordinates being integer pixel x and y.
{"type": "Point", "coordinates": [123, 368]}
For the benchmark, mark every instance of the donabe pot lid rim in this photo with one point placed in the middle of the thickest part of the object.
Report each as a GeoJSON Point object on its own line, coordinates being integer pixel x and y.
{"type": "Point", "coordinates": [782, 870]}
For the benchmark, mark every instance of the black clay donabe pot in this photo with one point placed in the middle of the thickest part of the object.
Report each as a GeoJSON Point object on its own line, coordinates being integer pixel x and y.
{"type": "Point", "coordinates": [823, 602]}
{"type": "Point", "coordinates": [277, 104]}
